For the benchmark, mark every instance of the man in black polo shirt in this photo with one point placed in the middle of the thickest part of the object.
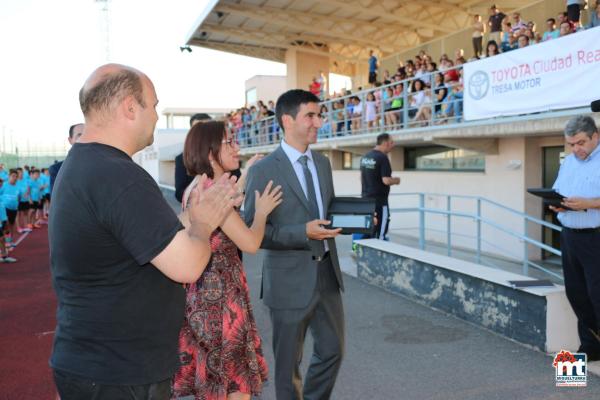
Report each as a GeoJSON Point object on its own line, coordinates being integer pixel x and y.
{"type": "Point", "coordinates": [182, 179]}
{"type": "Point", "coordinates": [119, 253]}
{"type": "Point", "coordinates": [376, 178]}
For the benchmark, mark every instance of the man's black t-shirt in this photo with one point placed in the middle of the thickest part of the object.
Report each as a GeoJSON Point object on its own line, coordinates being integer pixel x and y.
{"type": "Point", "coordinates": [118, 316]}
{"type": "Point", "coordinates": [496, 22]}
{"type": "Point", "coordinates": [373, 167]}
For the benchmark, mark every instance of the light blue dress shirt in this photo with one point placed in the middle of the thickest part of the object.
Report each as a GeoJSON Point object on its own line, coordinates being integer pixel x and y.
{"type": "Point", "coordinates": [294, 155]}
{"type": "Point", "coordinates": [577, 178]}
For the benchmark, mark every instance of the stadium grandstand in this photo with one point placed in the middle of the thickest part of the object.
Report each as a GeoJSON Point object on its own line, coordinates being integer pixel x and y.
{"type": "Point", "coordinates": [475, 96]}
{"type": "Point", "coordinates": [465, 123]}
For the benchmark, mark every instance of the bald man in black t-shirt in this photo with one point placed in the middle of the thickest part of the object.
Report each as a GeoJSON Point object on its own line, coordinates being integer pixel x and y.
{"type": "Point", "coordinates": [376, 178]}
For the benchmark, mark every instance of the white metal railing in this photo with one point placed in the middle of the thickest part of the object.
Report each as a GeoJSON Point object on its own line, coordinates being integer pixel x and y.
{"type": "Point", "coordinates": [480, 220]}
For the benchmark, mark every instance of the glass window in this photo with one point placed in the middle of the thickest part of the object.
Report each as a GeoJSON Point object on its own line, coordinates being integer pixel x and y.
{"type": "Point", "coordinates": [350, 161]}
{"type": "Point", "coordinates": [251, 97]}
{"type": "Point", "coordinates": [441, 158]}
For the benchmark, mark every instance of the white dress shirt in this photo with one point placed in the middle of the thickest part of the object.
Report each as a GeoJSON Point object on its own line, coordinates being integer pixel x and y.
{"type": "Point", "coordinates": [294, 156]}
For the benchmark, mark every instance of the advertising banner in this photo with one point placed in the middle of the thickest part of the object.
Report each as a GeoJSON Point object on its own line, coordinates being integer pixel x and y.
{"type": "Point", "coordinates": [556, 74]}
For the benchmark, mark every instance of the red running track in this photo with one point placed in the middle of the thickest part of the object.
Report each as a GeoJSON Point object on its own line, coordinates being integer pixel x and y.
{"type": "Point", "coordinates": [27, 321]}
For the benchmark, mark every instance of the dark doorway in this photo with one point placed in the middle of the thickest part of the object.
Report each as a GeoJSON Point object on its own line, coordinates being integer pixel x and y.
{"type": "Point", "coordinates": [550, 167]}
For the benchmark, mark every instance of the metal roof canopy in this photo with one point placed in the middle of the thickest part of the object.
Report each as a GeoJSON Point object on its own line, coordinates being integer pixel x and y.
{"type": "Point", "coordinates": [344, 30]}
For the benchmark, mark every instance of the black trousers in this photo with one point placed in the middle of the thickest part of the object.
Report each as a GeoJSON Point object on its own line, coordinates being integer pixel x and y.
{"type": "Point", "coordinates": [478, 46]}
{"type": "Point", "coordinates": [324, 316]}
{"type": "Point", "coordinates": [71, 387]}
{"type": "Point", "coordinates": [581, 267]}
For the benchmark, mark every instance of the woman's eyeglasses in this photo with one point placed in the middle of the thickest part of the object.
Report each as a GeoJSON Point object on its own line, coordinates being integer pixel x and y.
{"type": "Point", "coordinates": [230, 141]}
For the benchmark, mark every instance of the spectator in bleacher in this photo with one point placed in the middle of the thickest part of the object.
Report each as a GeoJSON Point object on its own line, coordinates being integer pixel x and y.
{"type": "Point", "coordinates": [182, 179]}
{"type": "Point", "coordinates": [495, 24]}
{"type": "Point", "coordinates": [417, 97]}
{"type": "Point", "coordinates": [454, 99]}
{"type": "Point", "coordinates": [579, 181]}
{"type": "Point", "coordinates": [477, 36]}
{"type": "Point", "coordinates": [594, 17]}
{"type": "Point", "coordinates": [119, 254]}
{"type": "Point", "coordinates": [440, 93]}
{"type": "Point", "coordinates": [386, 77]}
{"type": "Point", "coordinates": [532, 34]}
{"type": "Point", "coordinates": [271, 106]}
{"type": "Point", "coordinates": [562, 17]}
{"type": "Point", "coordinates": [386, 99]}
{"type": "Point", "coordinates": [517, 24]}
{"type": "Point", "coordinates": [357, 112]}
{"type": "Point", "coordinates": [574, 11]}
{"type": "Point", "coordinates": [322, 79]}
{"type": "Point", "coordinates": [551, 31]}
{"type": "Point", "coordinates": [491, 49]}
{"type": "Point", "coordinates": [75, 131]}
{"type": "Point", "coordinates": [522, 41]}
{"type": "Point", "coordinates": [315, 87]}
{"type": "Point", "coordinates": [566, 28]}
{"type": "Point", "coordinates": [507, 38]}
{"type": "Point", "coordinates": [372, 67]}
{"type": "Point", "coordinates": [325, 129]}
{"type": "Point", "coordinates": [458, 53]}
{"type": "Point", "coordinates": [370, 110]}
{"type": "Point", "coordinates": [423, 114]}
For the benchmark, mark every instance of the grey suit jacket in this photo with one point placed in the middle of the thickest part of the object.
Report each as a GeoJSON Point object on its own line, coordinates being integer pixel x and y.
{"type": "Point", "coordinates": [289, 275]}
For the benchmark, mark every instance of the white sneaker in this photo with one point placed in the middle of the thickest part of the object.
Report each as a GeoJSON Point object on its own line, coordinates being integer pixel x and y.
{"type": "Point", "coordinates": [9, 260]}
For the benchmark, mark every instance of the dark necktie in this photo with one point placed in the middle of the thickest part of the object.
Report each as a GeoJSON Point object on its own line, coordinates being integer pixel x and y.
{"type": "Point", "coordinates": [318, 247]}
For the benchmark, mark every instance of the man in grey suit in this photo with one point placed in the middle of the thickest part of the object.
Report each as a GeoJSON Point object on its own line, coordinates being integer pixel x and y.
{"type": "Point", "coordinates": [301, 280]}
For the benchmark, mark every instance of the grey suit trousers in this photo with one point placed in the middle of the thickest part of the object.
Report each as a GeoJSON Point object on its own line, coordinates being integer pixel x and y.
{"type": "Point", "coordinates": [324, 315]}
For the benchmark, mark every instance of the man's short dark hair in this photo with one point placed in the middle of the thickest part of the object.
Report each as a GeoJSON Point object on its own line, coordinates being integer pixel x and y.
{"type": "Point", "coordinates": [199, 117]}
{"type": "Point", "coordinates": [382, 138]}
{"type": "Point", "coordinates": [581, 123]}
{"type": "Point", "coordinates": [13, 171]}
{"type": "Point", "coordinates": [551, 20]}
{"type": "Point", "coordinates": [114, 86]}
{"type": "Point", "coordinates": [72, 130]}
{"type": "Point", "coordinates": [289, 103]}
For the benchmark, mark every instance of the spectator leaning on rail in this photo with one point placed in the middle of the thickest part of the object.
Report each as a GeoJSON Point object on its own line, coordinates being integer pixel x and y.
{"type": "Point", "coordinates": [118, 252]}
{"type": "Point", "coordinates": [594, 17]}
{"type": "Point", "coordinates": [551, 31]}
{"type": "Point", "coordinates": [579, 180]}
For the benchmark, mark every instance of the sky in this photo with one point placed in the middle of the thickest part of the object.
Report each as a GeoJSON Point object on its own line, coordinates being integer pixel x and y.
{"type": "Point", "coordinates": [49, 48]}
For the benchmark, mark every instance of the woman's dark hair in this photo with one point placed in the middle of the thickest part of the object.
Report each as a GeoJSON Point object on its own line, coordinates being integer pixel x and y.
{"type": "Point", "coordinates": [414, 85]}
{"type": "Point", "coordinates": [487, 47]}
{"type": "Point", "coordinates": [202, 140]}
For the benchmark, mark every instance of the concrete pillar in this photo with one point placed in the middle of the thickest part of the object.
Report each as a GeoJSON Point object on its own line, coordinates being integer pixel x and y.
{"type": "Point", "coordinates": [397, 158]}
{"type": "Point", "coordinates": [336, 158]}
{"type": "Point", "coordinates": [302, 67]}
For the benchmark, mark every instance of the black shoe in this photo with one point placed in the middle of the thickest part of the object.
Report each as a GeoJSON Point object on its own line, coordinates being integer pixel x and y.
{"type": "Point", "coordinates": [592, 355]}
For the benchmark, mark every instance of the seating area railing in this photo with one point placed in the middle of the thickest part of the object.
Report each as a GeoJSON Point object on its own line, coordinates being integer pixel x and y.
{"type": "Point", "coordinates": [395, 106]}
